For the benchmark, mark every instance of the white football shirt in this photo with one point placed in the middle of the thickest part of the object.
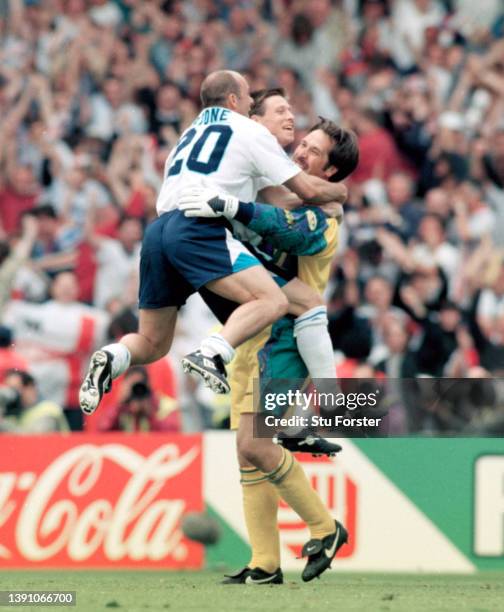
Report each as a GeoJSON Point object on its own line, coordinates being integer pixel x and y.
{"type": "Point", "coordinates": [226, 151]}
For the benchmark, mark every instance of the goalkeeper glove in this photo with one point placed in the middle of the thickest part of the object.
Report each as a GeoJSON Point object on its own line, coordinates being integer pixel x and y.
{"type": "Point", "coordinates": [203, 202]}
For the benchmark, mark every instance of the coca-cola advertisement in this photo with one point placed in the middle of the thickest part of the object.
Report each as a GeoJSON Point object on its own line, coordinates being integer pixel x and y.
{"type": "Point", "coordinates": [99, 501]}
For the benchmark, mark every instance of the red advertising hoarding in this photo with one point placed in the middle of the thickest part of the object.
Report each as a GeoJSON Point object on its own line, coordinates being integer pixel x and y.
{"type": "Point", "coordinates": [111, 500]}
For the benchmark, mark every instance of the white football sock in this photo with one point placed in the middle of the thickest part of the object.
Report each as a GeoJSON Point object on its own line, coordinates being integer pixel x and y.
{"type": "Point", "coordinates": [121, 358]}
{"type": "Point", "coordinates": [217, 345]}
{"type": "Point", "coordinates": [314, 343]}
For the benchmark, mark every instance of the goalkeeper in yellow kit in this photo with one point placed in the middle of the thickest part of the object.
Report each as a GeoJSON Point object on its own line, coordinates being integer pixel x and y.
{"type": "Point", "coordinates": [296, 241]}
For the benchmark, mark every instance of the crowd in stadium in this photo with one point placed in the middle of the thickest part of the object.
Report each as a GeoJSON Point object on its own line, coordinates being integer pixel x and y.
{"type": "Point", "coordinates": [95, 93]}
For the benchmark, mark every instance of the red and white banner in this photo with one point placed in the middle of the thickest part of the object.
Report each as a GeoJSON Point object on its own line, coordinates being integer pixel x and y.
{"type": "Point", "coordinates": [99, 500]}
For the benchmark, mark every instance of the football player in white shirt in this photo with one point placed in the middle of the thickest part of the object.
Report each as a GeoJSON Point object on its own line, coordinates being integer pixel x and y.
{"type": "Point", "coordinates": [225, 150]}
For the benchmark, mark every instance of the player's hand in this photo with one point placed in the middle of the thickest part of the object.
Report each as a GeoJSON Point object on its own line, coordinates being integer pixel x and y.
{"type": "Point", "coordinates": [203, 202]}
{"type": "Point", "coordinates": [334, 210]}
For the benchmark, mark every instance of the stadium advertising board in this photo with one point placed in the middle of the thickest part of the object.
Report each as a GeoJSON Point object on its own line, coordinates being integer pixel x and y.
{"type": "Point", "coordinates": [489, 506]}
{"type": "Point", "coordinates": [410, 505]}
{"type": "Point", "coordinates": [115, 500]}
{"type": "Point", "coordinates": [99, 501]}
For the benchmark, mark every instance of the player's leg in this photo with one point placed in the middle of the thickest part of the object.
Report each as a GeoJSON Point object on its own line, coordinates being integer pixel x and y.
{"type": "Point", "coordinates": [311, 329]}
{"type": "Point", "coordinates": [259, 496]}
{"type": "Point", "coordinates": [153, 341]}
{"type": "Point", "coordinates": [291, 483]}
{"type": "Point", "coordinates": [260, 509]}
{"type": "Point", "coordinates": [283, 471]}
{"type": "Point", "coordinates": [280, 359]}
{"type": "Point", "coordinates": [279, 467]}
{"type": "Point", "coordinates": [162, 291]}
{"type": "Point", "coordinates": [301, 297]}
{"type": "Point", "coordinates": [154, 338]}
{"type": "Point", "coordinates": [261, 303]}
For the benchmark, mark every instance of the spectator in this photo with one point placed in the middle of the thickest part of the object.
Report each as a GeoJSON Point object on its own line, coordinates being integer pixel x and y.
{"type": "Point", "coordinates": [400, 367]}
{"type": "Point", "coordinates": [12, 260]}
{"type": "Point", "coordinates": [379, 156]}
{"type": "Point", "coordinates": [437, 202]}
{"type": "Point", "coordinates": [57, 338]}
{"type": "Point", "coordinates": [473, 217]}
{"type": "Point", "coordinates": [411, 18]}
{"type": "Point", "coordinates": [23, 411]}
{"type": "Point", "coordinates": [73, 192]}
{"type": "Point", "coordinates": [166, 112]}
{"type": "Point", "coordinates": [117, 259]}
{"type": "Point", "coordinates": [113, 114]}
{"type": "Point", "coordinates": [433, 249]}
{"type": "Point", "coordinates": [17, 197]}
{"type": "Point", "coordinates": [377, 308]}
{"type": "Point", "coordinates": [490, 306]}
{"type": "Point", "coordinates": [400, 360]}
{"type": "Point", "coordinates": [10, 359]}
{"type": "Point", "coordinates": [137, 408]}
{"type": "Point", "coordinates": [439, 340]}
{"type": "Point", "coordinates": [406, 213]}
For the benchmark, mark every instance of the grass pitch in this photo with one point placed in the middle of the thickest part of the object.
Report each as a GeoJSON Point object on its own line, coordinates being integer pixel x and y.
{"type": "Point", "coordinates": [134, 591]}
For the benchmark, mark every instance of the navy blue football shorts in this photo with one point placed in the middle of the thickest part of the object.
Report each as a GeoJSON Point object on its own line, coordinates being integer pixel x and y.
{"type": "Point", "coordinates": [180, 255]}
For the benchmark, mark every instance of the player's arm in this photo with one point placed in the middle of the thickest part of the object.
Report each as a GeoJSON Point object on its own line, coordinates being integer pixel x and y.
{"type": "Point", "coordinates": [283, 198]}
{"type": "Point", "coordinates": [280, 196]}
{"type": "Point", "coordinates": [314, 190]}
{"type": "Point", "coordinates": [297, 232]}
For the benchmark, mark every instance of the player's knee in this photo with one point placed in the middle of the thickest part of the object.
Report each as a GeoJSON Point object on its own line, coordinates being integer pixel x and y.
{"type": "Point", "coordinates": [159, 347]}
{"type": "Point", "coordinates": [282, 306]}
{"type": "Point", "coordinates": [312, 300]}
{"type": "Point", "coordinates": [275, 307]}
{"type": "Point", "coordinates": [242, 460]}
{"type": "Point", "coordinates": [248, 451]}
{"type": "Point", "coordinates": [160, 352]}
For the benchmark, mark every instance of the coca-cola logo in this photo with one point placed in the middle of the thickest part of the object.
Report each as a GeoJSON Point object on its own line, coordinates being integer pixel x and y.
{"type": "Point", "coordinates": [99, 501]}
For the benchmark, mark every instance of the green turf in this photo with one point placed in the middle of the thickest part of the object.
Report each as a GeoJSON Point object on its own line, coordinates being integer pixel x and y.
{"type": "Point", "coordinates": [200, 591]}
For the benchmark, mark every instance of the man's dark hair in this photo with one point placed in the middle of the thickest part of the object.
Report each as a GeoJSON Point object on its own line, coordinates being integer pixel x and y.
{"type": "Point", "coordinates": [4, 251]}
{"type": "Point", "coordinates": [301, 29]}
{"type": "Point", "coordinates": [344, 154]}
{"type": "Point", "coordinates": [217, 87]}
{"type": "Point", "coordinates": [45, 210]}
{"type": "Point", "coordinates": [260, 96]}
{"type": "Point", "coordinates": [27, 379]}
{"type": "Point", "coordinates": [125, 322]}
{"type": "Point", "coordinates": [5, 337]}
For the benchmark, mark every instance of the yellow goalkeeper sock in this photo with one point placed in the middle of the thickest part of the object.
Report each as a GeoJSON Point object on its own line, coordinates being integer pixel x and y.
{"type": "Point", "coordinates": [260, 506]}
{"type": "Point", "coordinates": [294, 488]}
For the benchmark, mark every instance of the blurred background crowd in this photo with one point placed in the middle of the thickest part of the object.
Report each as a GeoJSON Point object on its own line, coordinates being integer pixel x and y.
{"type": "Point", "coordinates": [95, 93]}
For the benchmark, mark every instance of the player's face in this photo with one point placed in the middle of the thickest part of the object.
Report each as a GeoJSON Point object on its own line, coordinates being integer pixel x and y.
{"type": "Point", "coordinates": [312, 154]}
{"type": "Point", "coordinates": [278, 118]}
{"type": "Point", "coordinates": [243, 101]}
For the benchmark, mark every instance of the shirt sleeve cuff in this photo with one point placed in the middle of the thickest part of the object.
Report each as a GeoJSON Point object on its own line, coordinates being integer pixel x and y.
{"type": "Point", "coordinates": [245, 212]}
